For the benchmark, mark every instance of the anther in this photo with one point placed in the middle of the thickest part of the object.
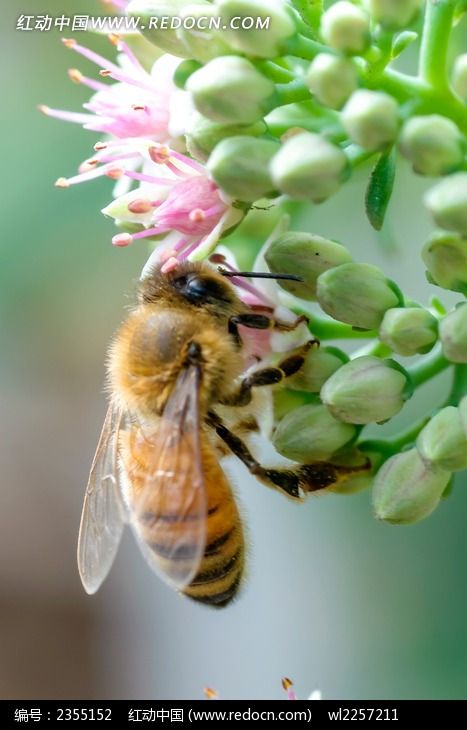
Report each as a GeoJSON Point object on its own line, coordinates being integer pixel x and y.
{"type": "Point", "coordinates": [62, 182]}
{"type": "Point", "coordinates": [122, 239]}
{"type": "Point", "coordinates": [75, 75]}
{"type": "Point", "coordinates": [140, 205]}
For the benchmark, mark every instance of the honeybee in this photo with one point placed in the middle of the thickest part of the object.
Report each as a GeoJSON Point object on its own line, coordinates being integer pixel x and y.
{"type": "Point", "coordinates": [174, 361]}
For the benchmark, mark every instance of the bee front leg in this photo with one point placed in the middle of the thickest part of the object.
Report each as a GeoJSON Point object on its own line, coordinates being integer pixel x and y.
{"type": "Point", "coordinates": [268, 376]}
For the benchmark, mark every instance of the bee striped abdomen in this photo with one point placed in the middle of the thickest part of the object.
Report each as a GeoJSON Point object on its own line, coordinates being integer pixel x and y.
{"type": "Point", "coordinates": [173, 535]}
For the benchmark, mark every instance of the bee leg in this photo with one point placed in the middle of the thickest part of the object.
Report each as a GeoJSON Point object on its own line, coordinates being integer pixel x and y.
{"type": "Point", "coordinates": [296, 481]}
{"type": "Point", "coordinates": [268, 376]}
{"type": "Point", "coordinates": [262, 322]}
{"type": "Point", "coordinates": [285, 481]}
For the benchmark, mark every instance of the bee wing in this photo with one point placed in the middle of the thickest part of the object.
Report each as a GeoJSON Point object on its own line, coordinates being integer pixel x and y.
{"type": "Point", "coordinates": [103, 515]}
{"type": "Point", "coordinates": [169, 503]}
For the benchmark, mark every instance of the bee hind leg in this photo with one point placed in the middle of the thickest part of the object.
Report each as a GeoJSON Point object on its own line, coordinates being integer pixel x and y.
{"type": "Point", "coordinates": [267, 376]}
{"type": "Point", "coordinates": [294, 481]}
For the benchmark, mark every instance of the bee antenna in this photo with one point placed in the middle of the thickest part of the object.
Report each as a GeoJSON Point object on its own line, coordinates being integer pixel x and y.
{"type": "Point", "coordinates": [259, 275]}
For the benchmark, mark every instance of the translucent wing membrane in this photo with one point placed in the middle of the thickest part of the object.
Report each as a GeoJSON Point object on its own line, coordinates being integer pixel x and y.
{"type": "Point", "coordinates": [167, 495]}
{"type": "Point", "coordinates": [103, 515]}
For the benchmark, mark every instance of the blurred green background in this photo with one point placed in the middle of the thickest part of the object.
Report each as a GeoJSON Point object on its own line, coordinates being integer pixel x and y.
{"type": "Point", "coordinates": [333, 599]}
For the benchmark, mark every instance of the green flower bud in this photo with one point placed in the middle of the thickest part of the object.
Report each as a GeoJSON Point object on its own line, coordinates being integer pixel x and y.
{"type": "Point", "coordinates": [409, 330]}
{"type": "Point", "coordinates": [433, 144]}
{"type": "Point", "coordinates": [320, 363]}
{"type": "Point", "coordinates": [463, 413]}
{"type": "Point", "coordinates": [155, 23]}
{"type": "Point", "coordinates": [308, 167]}
{"type": "Point", "coordinates": [443, 441]}
{"type": "Point", "coordinates": [393, 14]}
{"type": "Point", "coordinates": [447, 203]}
{"type": "Point", "coordinates": [453, 334]}
{"type": "Point", "coordinates": [310, 433]}
{"type": "Point", "coordinates": [202, 43]}
{"type": "Point", "coordinates": [358, 294]}
{"type": "Point", "coordinates": [406, 490]}
{"type": "Point", "coordinates": [459, 76]}
{"type": "Point", "coordinates": [331, 79]}
{"type": "Point", "coordinates": [445, 257]}
{"type": "Point", "coordinates": [203, 134]}
{"type": "Point", "coordinates": [307, 255]}
{"type": "Point", "coordinates": [230, 90]}
{"type": "Point", "coordinates": [245, 37]}
{"type": "Point", "coordinates": [240, 166]}
{"type": "Point", "coordinates": [366, 390]}
{"type": "Point", "coordinates": [354, 483]}
{"type": "Point", "coordinates": [346, 27]}
{"type": "Point", "coordinates": [370, 119]}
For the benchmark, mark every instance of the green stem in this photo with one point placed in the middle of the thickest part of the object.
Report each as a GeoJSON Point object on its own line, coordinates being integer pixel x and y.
{"type": "Point", "coordinates": [311, 11]}
{"type": "Point", "coordinates": [292, 92]}
{"type": "Point", "coordinates": [428, 367]}
{"type": "Point", "coordinates": [389, 447]}
{"type": "Point", "coordinates": [274, 72]}
{"type": "Point", "coordinates": [459, 385]}
{"type": "Point", "coordinates": [329, 329]}
{"type": "Point", "coordinates": [437, 28]}
{"type": "Point", "coordinates": [303, 47]}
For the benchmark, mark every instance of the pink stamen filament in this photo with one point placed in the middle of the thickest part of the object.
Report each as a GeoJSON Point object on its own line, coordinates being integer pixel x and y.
{"type": "Point", "coordinates": [125, 79]}
{"type": "Point", "coordinates": [124, 48]}
{"type": "Point", "coordinates": [184, 254]}
{"type": "Point", "coordinates": [90, 55]}
{"type": "Point", "coordinates": [91, 174]}
{"type": "Point", "coordinates": [150, 178]}
{"type": "Point", "coordinates": [67, 116]}
{"type": "Point", "coordinates": [176, 170]}
{"type": "Point", "coordinates": [149, 232]}
{"type": "Point", "coordinates": [214, 210]}
{"type": "Point", "coordinates": [115, 158]}
{"type": "Point", "coordinates": [78, 78]}
{"type": "Point", "coordinates": [188, 161]}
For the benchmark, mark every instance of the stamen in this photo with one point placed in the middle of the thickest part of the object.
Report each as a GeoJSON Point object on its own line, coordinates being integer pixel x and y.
{"type": "Point", "coordinates": [160, 154]}
{"type": "Point", "coordinates": [100, 146]}
{"type": "Point", "coordinates": [123, 47]}
{"type": "Point", "coordinates": [122, 239]}
{"type": "Point", "coordinates": [140, 108]}
{"type": "Point", "coordinates": [177, 171]}
{"type": "Point", "coordinates": [149, 232]}
{"type": "Point", "coordinates": [115, 173]}
{"type": "Point", "coordinates": [90, 55]}
{"type": "Point", "coordinates": [87, 165]}
{"type": "Point", "coordinates": [89, 175]}
{"type": "Point", "coordinates": [150, 178]}
{"type": "Point", "coordinates": [66, 116]}
{"type": "Point", "coordinates": [170, 265]}
{"type": "Point", "coordinates": [188, 161]}
{"type": "Point", "coordinates": [140, 205]}
{"type": "Point", "coordinates": [78, 78]}
{"type": "Point", "coordinates": [197, 215]}
{"type": "Point", "coordinates": [62, 182]}
{"type": "Point", "coordinates": [117, 75]}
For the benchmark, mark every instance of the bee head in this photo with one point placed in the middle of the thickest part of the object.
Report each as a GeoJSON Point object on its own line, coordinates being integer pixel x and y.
{"type": "Point", "coordinates": [196, 284]}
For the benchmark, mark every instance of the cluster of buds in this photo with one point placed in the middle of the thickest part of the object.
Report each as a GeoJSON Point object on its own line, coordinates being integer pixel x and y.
{"type": "Point", "coordinates": [247, 104]}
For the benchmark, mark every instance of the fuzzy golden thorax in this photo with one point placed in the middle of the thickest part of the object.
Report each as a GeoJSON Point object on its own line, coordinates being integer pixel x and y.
{"type": "Point", "coordinates": [190, 305]}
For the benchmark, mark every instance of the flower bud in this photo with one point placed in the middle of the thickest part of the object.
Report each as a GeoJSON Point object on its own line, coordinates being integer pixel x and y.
{"type": "Point", "coordinates": [433, 144]}
{"type": "Point", "coordinates": [359, 481]}
{"type": "Point", "coordinates": [409, 330]}
{"type": "Point", "coordinates": [445, 257]}
{"type": "Point", "coordinates": [406, 490]}
{"type": "Point", "coordinates": [230, 90]}
{"type": "Point", "coordinates": [370, 119]}
{"type": "Point", "coordinates": [366, 390]}
{"type": "Point", "coordinates": [155, 20]}
{"type": "Point", "coordinates": [241, 32]}
{"type": "Point", "coordinates": [393, 14]}
{"type": "Point", "coordinates": [358, 294]}
{"type": "Point", "coordinates": [306, 255]}
{"type": "Point", "coordinates": [463, 413]}
{"type": "Point", "coordinates": [459, 76]}
{"type": "Point", "coordinates": [201, 42]}
{"type": "Point", "coordinates": [331, 79]}
{"type": "Point", "coordinates": [320, 363]}
{"type": "Point", "coordinates": [447, 203]}
{"type": "Point", "coordinates": [453, 334]}
{"type": "Point", "coordinates": [443, 441]}
{"type": "Point", "coordinates": [240, 166]}
{"type": "Point", "coordinates": [346, 27]}
{"type": "Point", "coordinates": [203, 134]}
{"type": "Point", "coordinates": [310, 433]}
{"type": "Point", "coordinates": [308, 167]}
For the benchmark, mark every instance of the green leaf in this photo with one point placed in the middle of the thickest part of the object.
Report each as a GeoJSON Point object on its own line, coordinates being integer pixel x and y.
{"type": "Point", "coordinates": [379, 190]}
{"type": "Point", "coordinates": [402, 41]}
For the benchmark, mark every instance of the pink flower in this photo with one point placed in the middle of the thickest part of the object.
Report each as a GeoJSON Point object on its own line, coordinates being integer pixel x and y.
{"type": "Point", "coordinates": [175, 197]}
{"type": "Point", "coordinates": [137, 105]}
